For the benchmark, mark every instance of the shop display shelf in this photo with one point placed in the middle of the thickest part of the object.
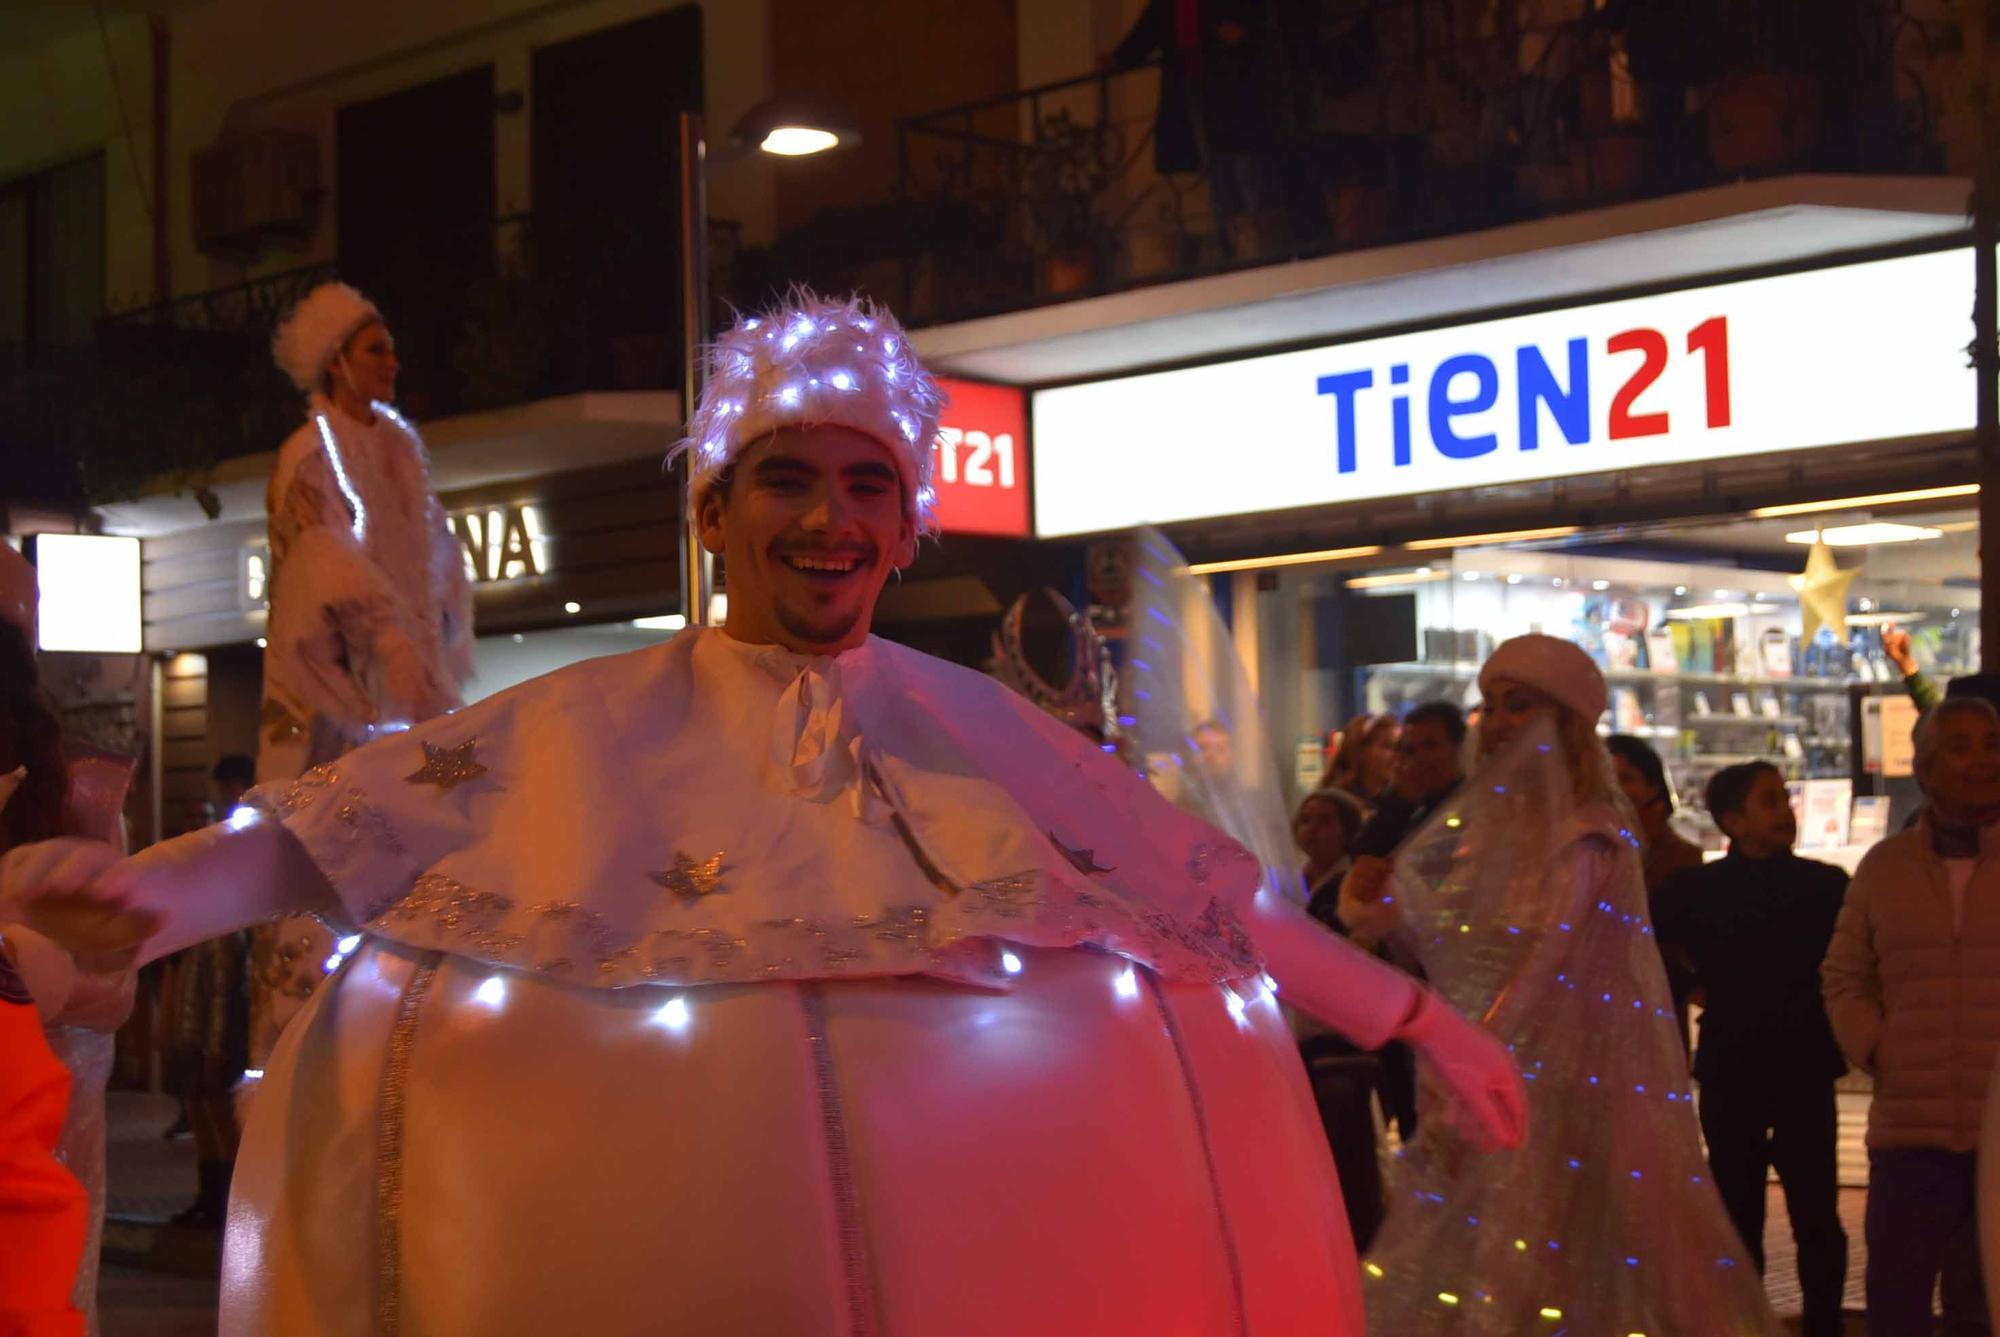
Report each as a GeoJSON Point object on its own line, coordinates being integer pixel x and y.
{"type": "Point", "coordinates": [1767, 721]}
{"type": "Point", "coordinates": [1730, 680]}
{"type": "Point", "coordinates": [1454, 670]}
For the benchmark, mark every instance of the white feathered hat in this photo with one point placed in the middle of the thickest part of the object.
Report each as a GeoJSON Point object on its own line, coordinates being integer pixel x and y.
{"type": "Point", "coordinates": [810, 362]}
{"type": "Point", "coordinates": [312, 332]}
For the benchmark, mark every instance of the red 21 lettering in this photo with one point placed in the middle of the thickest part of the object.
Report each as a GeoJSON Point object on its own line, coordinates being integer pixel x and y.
{"type": "Point", "coordinates": [1709, 340]}
{"type": "Point", "coordinates": [1625, 423]}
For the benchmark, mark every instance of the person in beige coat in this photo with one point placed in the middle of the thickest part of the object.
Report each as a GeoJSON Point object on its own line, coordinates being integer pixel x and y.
{"type": "Point", "coordinates": [1912, 987]}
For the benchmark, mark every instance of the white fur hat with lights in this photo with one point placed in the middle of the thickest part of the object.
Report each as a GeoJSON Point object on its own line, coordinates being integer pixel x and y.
{"type": "Point", "coordinates": [812, 362]}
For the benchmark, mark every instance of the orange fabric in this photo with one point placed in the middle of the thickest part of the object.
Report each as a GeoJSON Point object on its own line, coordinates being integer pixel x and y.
{"type": "Point", "coordinates": [43, 1210]}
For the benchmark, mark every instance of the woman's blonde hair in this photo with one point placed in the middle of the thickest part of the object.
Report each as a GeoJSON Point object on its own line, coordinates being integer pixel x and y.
{"type": "Point", "coordinates": [1590, 774]}
{"type": "Point", "coordinates": [1344, 772]}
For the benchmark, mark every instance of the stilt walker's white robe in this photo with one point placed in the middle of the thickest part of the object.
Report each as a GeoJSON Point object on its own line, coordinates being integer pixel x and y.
{"type": "Point", "coordinates": [711, 989]}
{"type": "Point", "coordinates": [370, 630]}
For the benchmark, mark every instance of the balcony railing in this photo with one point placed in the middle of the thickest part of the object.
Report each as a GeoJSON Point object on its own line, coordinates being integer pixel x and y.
{"type": "Point", "coordinates": [521, 311]}
{"type": "Point", "coordinates": [1396, 120]}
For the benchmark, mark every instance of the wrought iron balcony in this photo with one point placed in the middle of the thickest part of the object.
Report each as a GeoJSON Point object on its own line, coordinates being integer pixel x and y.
{"type": "Point", "coordinates": [519, 312]}
{"type": "Point", "coordinates": [1378, 121]}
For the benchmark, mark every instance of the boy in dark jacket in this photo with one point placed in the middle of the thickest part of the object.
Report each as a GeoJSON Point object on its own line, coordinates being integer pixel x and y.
{"type": "Point", "coordinates": [1755, 924]}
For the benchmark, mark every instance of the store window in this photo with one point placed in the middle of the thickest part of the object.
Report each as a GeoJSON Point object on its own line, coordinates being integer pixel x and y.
{"type": "Point", "coordinates": [1701, 629]}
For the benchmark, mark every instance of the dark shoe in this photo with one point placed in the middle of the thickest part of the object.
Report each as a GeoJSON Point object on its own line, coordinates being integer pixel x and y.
{"type": "Point", "coordinates": [202, 1216]}
{"type": "Point", "coordinates": [211, 1203]}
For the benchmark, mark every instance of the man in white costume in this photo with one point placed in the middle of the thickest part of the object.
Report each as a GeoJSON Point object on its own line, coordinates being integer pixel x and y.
{"type": "Point", "coordinates": [777, 979]}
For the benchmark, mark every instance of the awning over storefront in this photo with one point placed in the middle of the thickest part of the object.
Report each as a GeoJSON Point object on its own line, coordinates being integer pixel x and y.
{"type": "Point", "coordinates": [473, 450]}
{"type": "Point", "coordinates": [1677, 240]}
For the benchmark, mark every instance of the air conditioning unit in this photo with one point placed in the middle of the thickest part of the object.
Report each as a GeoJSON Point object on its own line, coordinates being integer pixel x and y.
{"type": "Point", "coordinates": [256, 191]}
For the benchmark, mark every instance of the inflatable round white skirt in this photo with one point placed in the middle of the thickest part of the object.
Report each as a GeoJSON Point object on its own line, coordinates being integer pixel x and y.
{"type": "Point", "coordinates": [442, 1147]}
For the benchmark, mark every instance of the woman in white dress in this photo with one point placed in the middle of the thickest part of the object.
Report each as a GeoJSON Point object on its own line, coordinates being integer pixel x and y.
{"type": "Point", "coordinates": [371, 610]}
{"type": "Point", "coordinates": [1525, 900]}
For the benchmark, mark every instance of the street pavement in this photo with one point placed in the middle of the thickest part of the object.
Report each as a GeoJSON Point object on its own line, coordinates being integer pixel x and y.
{"type": "Point", "coordinates": [160, 1280]}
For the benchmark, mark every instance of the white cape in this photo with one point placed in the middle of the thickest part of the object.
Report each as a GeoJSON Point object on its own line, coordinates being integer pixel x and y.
{"type": "Point", "coordinates": [707, 811]}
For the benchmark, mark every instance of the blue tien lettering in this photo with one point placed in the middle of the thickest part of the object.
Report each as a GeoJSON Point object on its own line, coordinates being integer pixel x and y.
{"type": "Point", "coordinates": [1444, 408]}
{"type": "Point", "coordinates": [1399, 413]}
{"type": "Point", "coordinates": [1343, 388]}
{"type": "Point", "coordinates": [1570, 408]}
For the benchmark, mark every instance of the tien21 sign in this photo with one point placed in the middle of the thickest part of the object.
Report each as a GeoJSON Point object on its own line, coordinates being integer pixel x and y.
{"type": "Point", "coordinates": [979, 462]}
{"type": "Point", "coordinates": [1856, 353]}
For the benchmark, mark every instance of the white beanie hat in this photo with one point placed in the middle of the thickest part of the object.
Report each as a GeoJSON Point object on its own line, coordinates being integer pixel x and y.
{"type": "Point", "coordinates": [1549, 664]}
{"type": "Point", "coordinates": [814, 362]}
{"type": "Point", "coordinates": [307, 339]}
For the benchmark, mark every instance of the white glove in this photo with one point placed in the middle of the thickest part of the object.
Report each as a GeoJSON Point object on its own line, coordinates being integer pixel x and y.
{"type": "Point", "coordinates": [111, 913]}
{"type": "Point", "coordinates": [1331, 980]}
{"type": "Point", "coordinates": [1489, 1103]}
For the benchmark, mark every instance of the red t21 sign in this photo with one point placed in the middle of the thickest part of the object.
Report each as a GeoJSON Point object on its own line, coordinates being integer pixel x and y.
{"type": "Point", "coordinates": [980, 460]}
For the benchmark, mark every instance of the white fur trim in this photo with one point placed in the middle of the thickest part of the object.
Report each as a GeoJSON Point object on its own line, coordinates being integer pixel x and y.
{"type": "Point", "coordinates": [811, 362]}
{"type": "Point", "coordinates": [312, 332]}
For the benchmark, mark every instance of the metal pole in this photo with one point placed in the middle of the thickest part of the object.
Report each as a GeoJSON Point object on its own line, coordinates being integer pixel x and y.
{"type": "Point", "coordinates": [1986, 365]}
{"type": "Point", "coordinates": [695, 562]}
{"type": "Point", "coordinates": [1985, 209]}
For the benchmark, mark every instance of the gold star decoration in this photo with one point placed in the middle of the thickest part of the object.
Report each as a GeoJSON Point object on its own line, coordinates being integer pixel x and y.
{"type": "Point", "coordinates": [1084, 861]}
{"type": "Point", "coordinates": [693, 878]}
{"type": "Point", "coordinates": [1822, 594]}
{"type": "Point", "coordinates": [447, 767]}
{"type": "Point", "coordinates": [279, 722]}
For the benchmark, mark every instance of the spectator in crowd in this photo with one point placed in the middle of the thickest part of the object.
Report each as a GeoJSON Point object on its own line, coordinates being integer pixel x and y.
{"type": "Point", "coordinates": [1366, 755]}
{"type": "Point", "coordinates": [1427, 768]}
{"type": "Point", "coordinates": [1755, 925]}
{"type": "Point", "coordinates": [1426, 764]}
{"type": "Point", "coordinates": [1643, 778]}
{"type": "Point", "coordinates": [1912, 988]}
{"type": "Point", "coordinates": [1343, 1076]}
{"type": "Point", "coordinates": [1896, 645]}
{"type": "Point", "coordinates": [1343, 757]}
{"type": "Point", "coordinates": [1324, 830]}
{"type": "Point", "coordinates": [1216, 747]}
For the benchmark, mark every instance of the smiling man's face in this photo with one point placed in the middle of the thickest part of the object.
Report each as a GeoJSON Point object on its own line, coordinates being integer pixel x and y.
{"type": "Point", "coordinates": [811, 525]}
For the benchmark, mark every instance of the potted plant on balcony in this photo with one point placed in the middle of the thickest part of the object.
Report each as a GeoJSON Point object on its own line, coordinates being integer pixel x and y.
{"type": "Point", "coordinates": [1062, 174]}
